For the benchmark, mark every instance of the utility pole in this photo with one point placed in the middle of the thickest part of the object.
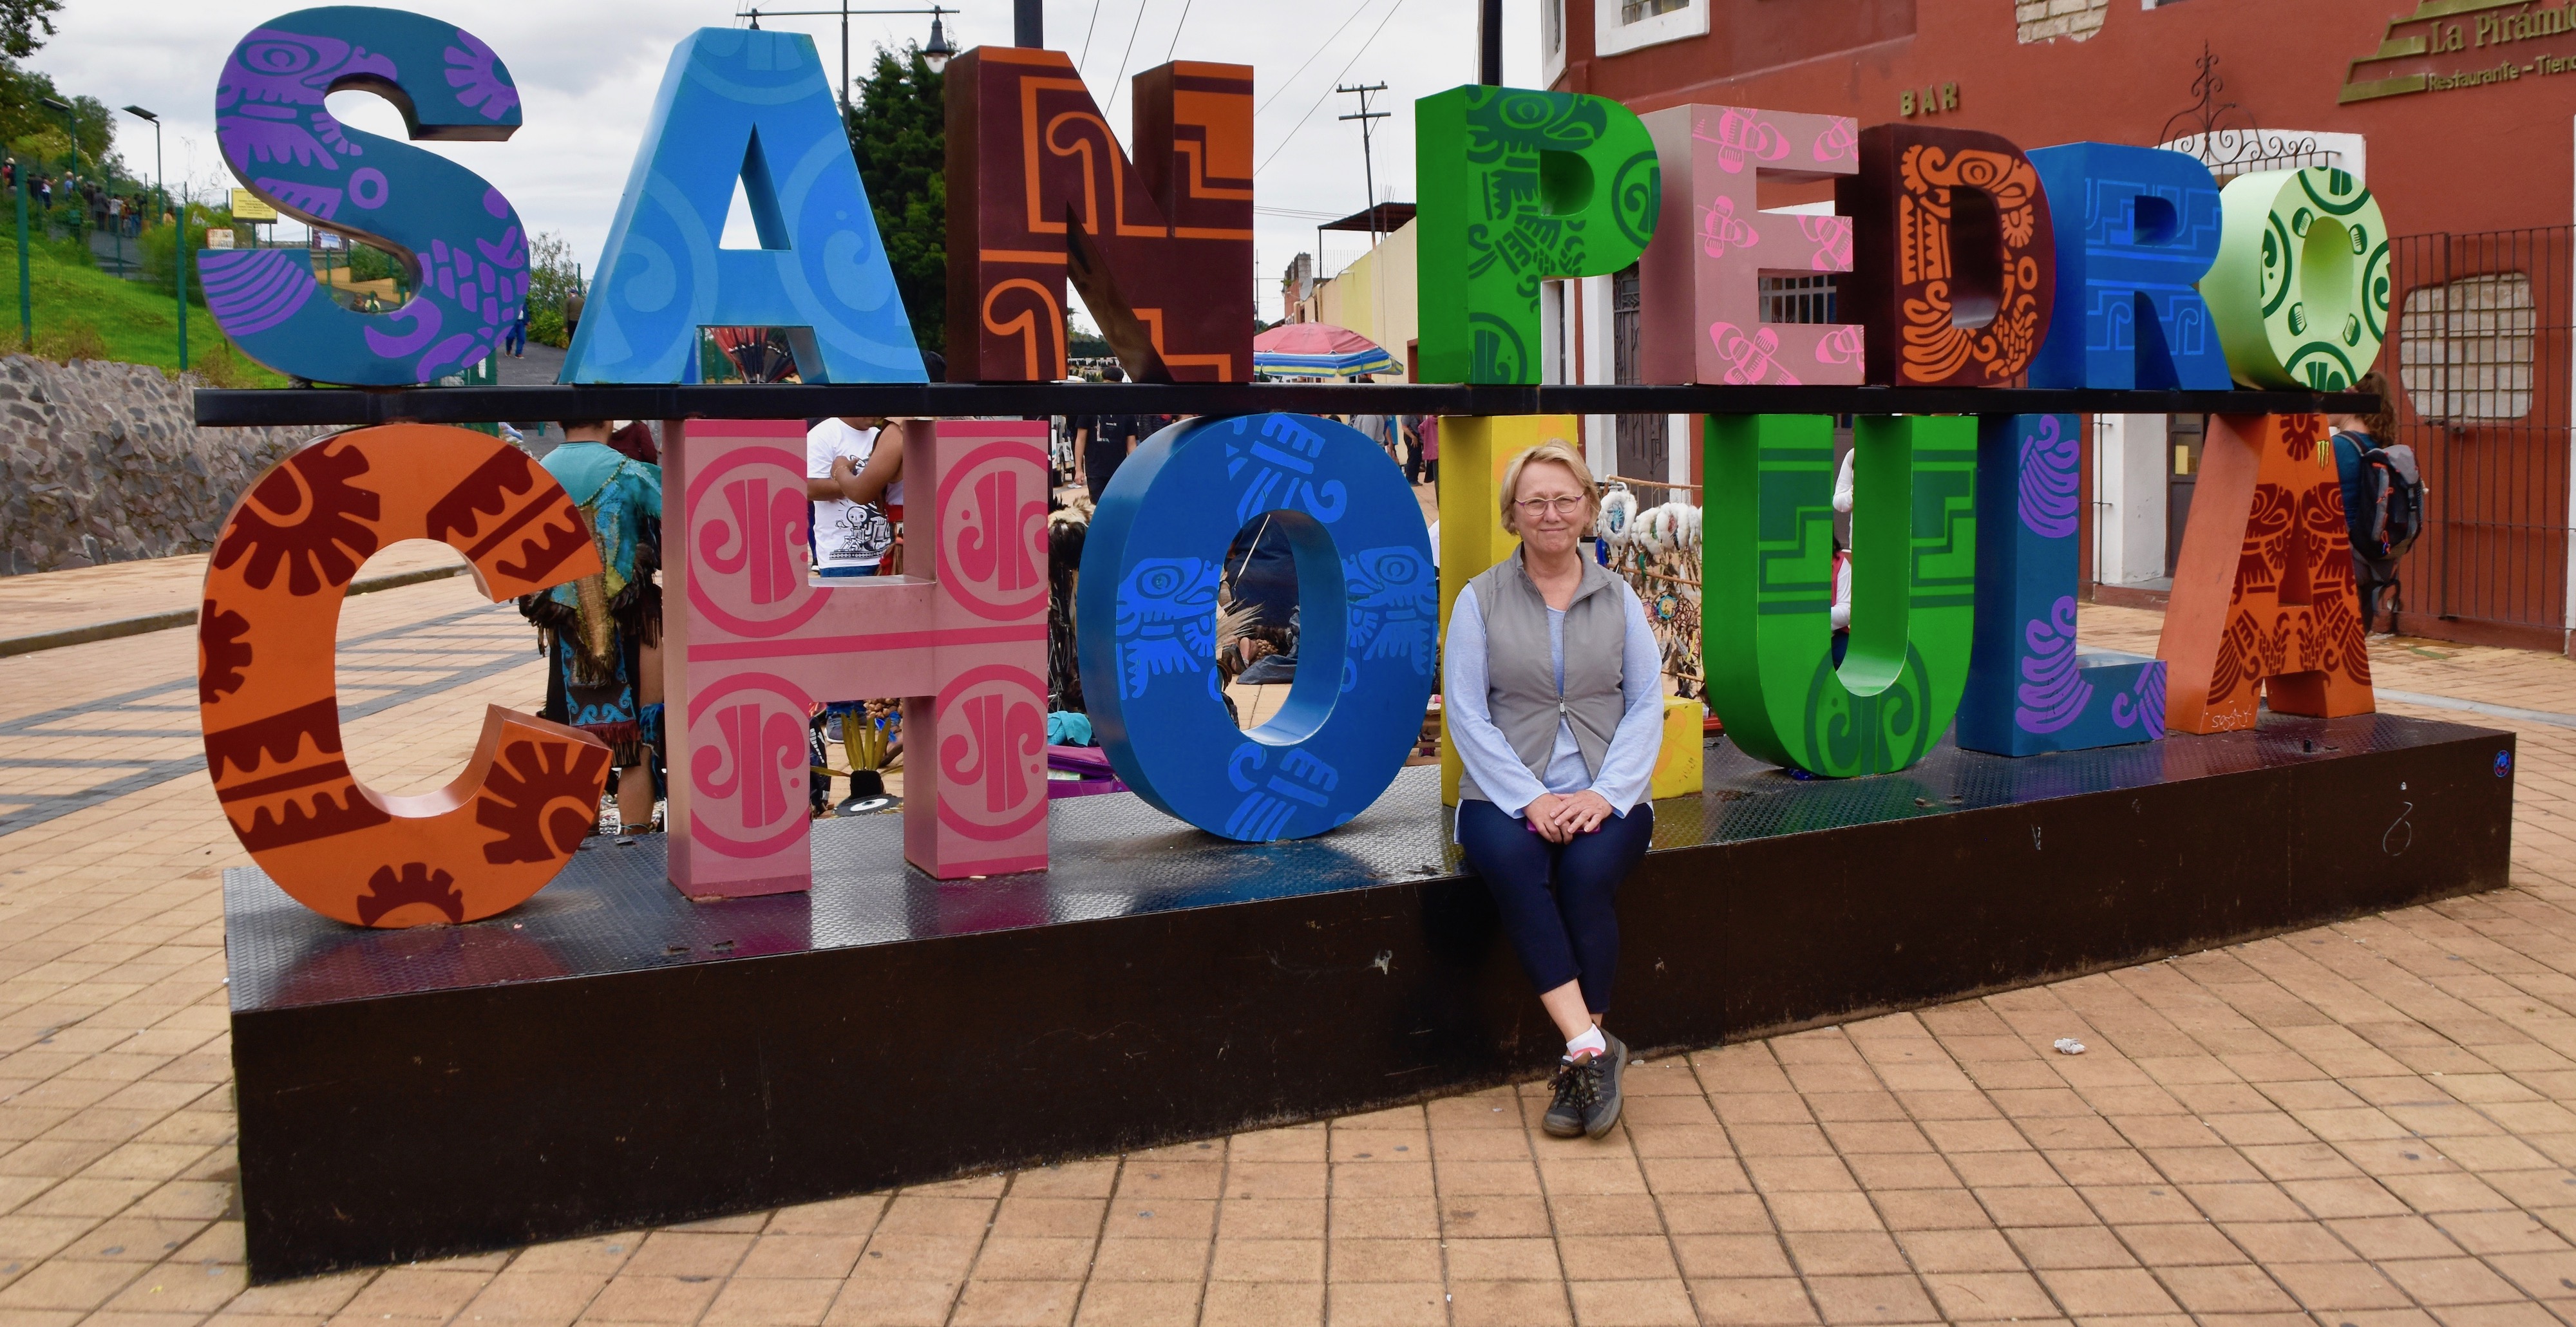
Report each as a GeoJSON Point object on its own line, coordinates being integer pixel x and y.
{"type": "Point", "coordinates": [1028, 23]}
{"type": "Point", "coordinates": [1489, 43]}
{"type": "Point", "coordinates": [1368, 159]}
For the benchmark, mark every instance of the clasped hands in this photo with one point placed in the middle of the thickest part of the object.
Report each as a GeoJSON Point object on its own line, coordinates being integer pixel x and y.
{"type": "Point", "coordinates": [1558, 817]}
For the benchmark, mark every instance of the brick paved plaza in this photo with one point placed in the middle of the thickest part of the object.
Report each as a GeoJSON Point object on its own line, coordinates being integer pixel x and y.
{"type": "Point", "coordinates": [2364, 1123]}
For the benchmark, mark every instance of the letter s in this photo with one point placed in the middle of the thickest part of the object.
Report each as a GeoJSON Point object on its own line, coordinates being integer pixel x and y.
{"type": "Point", "coordinates": [456, 236]}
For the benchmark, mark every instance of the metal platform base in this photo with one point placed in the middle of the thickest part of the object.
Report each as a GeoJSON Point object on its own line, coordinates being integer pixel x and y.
{"type": "Point", "coordinates": [610, 1055]}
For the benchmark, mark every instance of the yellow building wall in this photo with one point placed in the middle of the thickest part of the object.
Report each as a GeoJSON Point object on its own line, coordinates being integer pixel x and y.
{"type": "Point", "coordinates": [1474, 452]}
{"type": "Point", "coordinates": [1375, 296]}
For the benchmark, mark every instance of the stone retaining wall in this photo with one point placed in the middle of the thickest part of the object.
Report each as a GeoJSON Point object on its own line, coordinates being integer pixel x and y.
{"type": "Point", "coordinates": [104, 463]}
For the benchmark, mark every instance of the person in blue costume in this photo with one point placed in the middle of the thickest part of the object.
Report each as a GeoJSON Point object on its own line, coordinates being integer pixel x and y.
{"type": "Point", "coordinates": [602, 635]}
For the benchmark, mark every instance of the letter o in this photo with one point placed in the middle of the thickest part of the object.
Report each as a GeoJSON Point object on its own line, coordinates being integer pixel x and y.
{"type": "Point", "coordinates": [271, 714]}
{"type": "Point", "coordinates": [2301, 286]}
{"type": "Point", "coordinates": [1368, 600]}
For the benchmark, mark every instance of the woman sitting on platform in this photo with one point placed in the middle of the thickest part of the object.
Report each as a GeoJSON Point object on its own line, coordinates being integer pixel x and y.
{"type": "Point", "coordinates": [1555, 695]}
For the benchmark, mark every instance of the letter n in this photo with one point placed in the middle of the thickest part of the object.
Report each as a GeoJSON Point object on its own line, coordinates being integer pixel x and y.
{"type": "Point", "coordinates": [1038, 189]}
{"type": "Point", "coordinates": [2263, 601]}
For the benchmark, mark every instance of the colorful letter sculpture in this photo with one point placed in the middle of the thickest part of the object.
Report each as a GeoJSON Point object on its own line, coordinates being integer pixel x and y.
{"type": "Point", "coordinates": [751, 642]}
{"type": "Point", "coordinates": [2029, 690]}
{"type": "Point", "coordinates": [2263, 599]}
{"type": "Point", "coordinates": [1953, 256]}
{"type": "Point", "coordinates": [1039, 189]}
{"type": "Point", "coordinates": [266, 699]}
{"type": "Point", "coordinates": [1476, 450]}
{"type": "Point", "coordinates": [1367, 647]}
{"type": "Point", "coordinates": [1767, 588]}
{"type": "Point", "coordinates": [2129, 312]}
{"type": "Point", "coordinates": [1518, 187]}
{"type": "Point", "coordinates": [752, 106]}
{"type": "Point", "coordinates": [2301, 286]}
{"type": "Point", "coordinates": [1700, 280]}
{"type": "Point", "coordinates": [456, 235]}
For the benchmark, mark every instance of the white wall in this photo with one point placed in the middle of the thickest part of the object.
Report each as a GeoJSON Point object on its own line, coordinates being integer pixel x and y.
{"type": "Point", "coordinates": [2130, 465]}
{"type": "Point", "coordinates": [1600, 365]}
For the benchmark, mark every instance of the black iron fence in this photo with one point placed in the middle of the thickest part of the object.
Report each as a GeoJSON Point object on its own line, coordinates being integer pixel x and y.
{"type": "Point", "coordinates": [2480, 351]}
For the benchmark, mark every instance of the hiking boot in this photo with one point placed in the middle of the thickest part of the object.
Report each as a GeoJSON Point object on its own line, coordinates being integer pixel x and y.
{"type": "Point", "coordinates": [1576, 1083]}
{"type": "Point", "coordinates": [1602, 1111]}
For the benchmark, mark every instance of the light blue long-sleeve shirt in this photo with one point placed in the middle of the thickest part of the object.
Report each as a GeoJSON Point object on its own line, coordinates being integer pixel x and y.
{"type": "Point", "coordinates": [1627, 768]}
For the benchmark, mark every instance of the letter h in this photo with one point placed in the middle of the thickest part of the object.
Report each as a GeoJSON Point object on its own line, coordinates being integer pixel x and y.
{"type": "Point", "coordinates": [751, 641]}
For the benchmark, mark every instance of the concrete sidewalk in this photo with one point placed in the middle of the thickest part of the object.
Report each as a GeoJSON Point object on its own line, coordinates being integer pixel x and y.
{"type": "Point", "coordinates": [2366, 1123]}
{"type": "Point", "coordinates": [48, 609]}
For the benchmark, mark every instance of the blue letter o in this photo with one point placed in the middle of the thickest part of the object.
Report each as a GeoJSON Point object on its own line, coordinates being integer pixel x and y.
{"type": "Point", "coordinates": [1368, 632]}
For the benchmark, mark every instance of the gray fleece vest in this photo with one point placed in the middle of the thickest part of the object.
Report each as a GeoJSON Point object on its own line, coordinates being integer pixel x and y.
{"type": "Point", "coordinates": [1520, 687]}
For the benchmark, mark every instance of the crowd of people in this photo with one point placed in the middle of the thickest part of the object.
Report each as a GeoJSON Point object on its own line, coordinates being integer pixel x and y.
{"type": "Point", "coordinates": [102, 205]}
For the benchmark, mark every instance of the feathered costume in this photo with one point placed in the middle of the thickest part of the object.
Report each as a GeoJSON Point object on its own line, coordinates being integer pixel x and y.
{"type": "Point", "coordinates": [594, 628]}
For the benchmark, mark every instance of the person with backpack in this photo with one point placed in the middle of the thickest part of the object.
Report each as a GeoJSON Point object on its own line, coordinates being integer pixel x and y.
{"type": "Point", "coordinates": [2383, 497]}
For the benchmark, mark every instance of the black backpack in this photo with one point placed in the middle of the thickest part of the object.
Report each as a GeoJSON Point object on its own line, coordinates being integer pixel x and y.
{"type": "Point", "coordinates": [2394, 493]}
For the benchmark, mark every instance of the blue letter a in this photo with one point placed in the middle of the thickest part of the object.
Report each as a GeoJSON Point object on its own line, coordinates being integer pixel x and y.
{"type": "Point", "coordinates": [751, 106]}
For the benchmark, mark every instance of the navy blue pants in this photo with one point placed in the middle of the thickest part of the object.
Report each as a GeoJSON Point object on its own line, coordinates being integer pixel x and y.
{"type": "Point", "coordinates": [1559, 900]}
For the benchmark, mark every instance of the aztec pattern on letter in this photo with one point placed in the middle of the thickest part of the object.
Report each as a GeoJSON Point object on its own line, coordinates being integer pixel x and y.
{"type": "Point", "coordinates": [1953, 256]}
{"type": "Point", "coordinates": [2028, 690]}
{"type": "Point", "coordinates": [1519, 187]}
{"type": "Point", "coordinates": [1701, 279]}
{"type": "Point", "coordinates": [752, 107]}
{"type": "Point", "coordinates": [1039, 189]}
{"type": "Point", "coordinates": [2302, 283]}
{"type": "Point", "coordinates": [1767, 586]}
{"type": "Point", "coordinates": [457, 236]}
{"type": "Point", "coordinates": [2263, 601]}
{"type": "Point", "coordinates": [2129, 312]}
{"type": "Point", "coordinates": [751, 641]}
{"type": "Point", "coordinates": [527, 798]}
{"type": "Point", "coordinates": [1367, 648]}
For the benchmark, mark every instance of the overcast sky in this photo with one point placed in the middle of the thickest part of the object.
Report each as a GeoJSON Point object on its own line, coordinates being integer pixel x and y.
{"type": "Point", "coordinates": [588, 69]}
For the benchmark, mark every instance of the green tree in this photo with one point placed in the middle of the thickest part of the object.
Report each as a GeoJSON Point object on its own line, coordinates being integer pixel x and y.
{"type": "Point", "coordinates": [553, 275]}
{"type": "Point", "coordinates": [899, 132]}
{"type": "Point", "coordinates": [19, 20]}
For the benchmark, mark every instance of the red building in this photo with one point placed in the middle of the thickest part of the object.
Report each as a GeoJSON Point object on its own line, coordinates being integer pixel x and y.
{"type": "Point", "coordinates": [2459, 114]}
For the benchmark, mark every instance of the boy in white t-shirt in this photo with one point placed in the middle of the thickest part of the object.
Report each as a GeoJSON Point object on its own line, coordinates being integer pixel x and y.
{"type": "Point", "coordinates": [856, 487]}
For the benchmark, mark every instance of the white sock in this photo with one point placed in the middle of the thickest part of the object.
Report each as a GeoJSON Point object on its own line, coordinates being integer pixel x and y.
{"type": "Point", "coordinates": [1590, 1041]}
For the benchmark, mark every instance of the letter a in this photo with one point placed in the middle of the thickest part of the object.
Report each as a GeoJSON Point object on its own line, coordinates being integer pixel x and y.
{"type": "Point", "coordinates": [751, 106]}
{"type": "Point", "coordinates": [2263, 600]}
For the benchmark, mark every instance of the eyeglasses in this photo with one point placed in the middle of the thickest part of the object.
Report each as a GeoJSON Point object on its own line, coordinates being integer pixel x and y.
{"type": "Point", "coordinates": [1562, 505]}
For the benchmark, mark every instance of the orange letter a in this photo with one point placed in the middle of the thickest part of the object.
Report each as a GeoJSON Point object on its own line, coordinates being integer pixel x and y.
{"type": "Point", "coordinates": [2263, 598]}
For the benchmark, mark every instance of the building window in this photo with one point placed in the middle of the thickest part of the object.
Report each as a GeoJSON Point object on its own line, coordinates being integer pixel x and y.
{"type": "Point", "coordinates": [2464, 350]}
{"type": "Point", "coordinates": [2048, 20]}
{"type": "Point", "coordinates": [1799, 299]}
{"type": "Point", "coordinates": [1626, 25]}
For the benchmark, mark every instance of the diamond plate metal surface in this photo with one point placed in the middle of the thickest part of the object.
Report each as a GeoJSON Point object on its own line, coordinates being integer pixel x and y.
{"type": "Point", "coordinates": [612, 910]}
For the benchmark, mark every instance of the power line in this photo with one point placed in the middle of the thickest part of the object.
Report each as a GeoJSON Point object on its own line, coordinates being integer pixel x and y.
{"type": "Point", "coordinates": [1275, 93]}
{"type": "Point", "coordinates": [1120, 83]}
{"type": "Point", "coordinates": [1087, 30]}
{"type": "Point", "coordinates": [1337, 78]}
{"type": "Point", "coordinates": [1176, 31]}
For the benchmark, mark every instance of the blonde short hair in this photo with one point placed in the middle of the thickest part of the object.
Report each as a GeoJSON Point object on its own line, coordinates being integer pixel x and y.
{"type": "Point", "coordinates": [1562, 453]}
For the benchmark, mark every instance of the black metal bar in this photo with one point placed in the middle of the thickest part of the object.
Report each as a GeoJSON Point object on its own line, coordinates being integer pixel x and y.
{"type": "Point", "coordinates": [1489, 43]}
{"type": "Point", "coordinates": [474, 405]}
{"type": "Point", "coordinates": [1028, 23]}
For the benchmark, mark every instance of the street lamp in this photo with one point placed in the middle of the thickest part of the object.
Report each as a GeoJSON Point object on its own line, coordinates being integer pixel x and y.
{"type": "Point", "coordinates": [934, 55]}
{"type": "Point", "coordinates": [71, 126]}
{"type": "Point", "coordinates": [179, 250]}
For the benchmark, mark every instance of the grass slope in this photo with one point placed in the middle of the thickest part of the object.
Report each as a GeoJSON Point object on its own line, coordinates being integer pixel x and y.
{"type": "Point", "coordinates": [82, 312]}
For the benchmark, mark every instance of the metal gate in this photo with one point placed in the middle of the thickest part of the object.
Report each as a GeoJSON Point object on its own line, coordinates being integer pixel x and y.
{"type": "Point", "coordinates": [2480, 352]}
{"type": "Point", "coordinates": [1642, 444]}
